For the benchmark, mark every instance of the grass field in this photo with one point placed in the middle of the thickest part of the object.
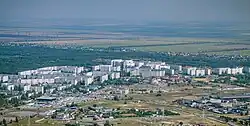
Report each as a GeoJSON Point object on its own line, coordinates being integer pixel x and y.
{"type": "Point", "coordinates": [37, 122]}
{"type": "Point", "coordinates": [193, 45]}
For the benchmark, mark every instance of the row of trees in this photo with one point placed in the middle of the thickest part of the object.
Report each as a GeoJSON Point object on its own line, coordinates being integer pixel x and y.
{"type": "Point", "coordinates": [34, 57]}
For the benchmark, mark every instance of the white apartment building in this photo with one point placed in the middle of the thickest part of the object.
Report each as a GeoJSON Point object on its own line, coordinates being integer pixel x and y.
{"type": "Point", "coordinates": [96, 68]}
{"type": "Point", "coordinates": [26, 87]}
{"type": "Point", "coordinates": [37, 81]}
{"type": "Point", "coordinates": [157, 73]}
{"type": "Point", "coordinates": [116, 62]}
{"type": "Point", "coordinates": [164, 67]}
{"type": "Point", "coordinates": [115, 75]}
{"type": "Point", "coordinates": [104, 78]}
{"type": "Point", "coordinates": [116, 68]}
{"type": "Point", "coordinates": [4, 78]}
{"type": "Point", "coordinates": [10, 87]}
{"type": "Point", "coordinates": [220, 71]}
{"type": "Point", "coordinates": [139, 64]}
{"type": "Point", "coordinates": [88, 80]}
{"type": "Point", "coordinates": [177, 68]}
{"type": "Point", "coordinates": [155, 65]}
{"type": "Point", "coordinates": [208, 71]}
{"type": "Point", "coordinates": [189, 70]}
{"type": "Point", "coordinates": [128, 63]}
{"type": "Point", "coordinates": [200, 72]}
{"type": "Point", "coordinates": [105, 68]}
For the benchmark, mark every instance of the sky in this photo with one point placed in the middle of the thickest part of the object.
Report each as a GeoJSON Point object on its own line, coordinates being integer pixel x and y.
{"type": "Point", "coordinates": [130, 10]}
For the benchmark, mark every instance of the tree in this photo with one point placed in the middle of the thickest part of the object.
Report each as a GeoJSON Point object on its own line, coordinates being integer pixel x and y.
{"type": "Point", "coordinates": [4, 122]}
{"type": "Point", "coordinates": [181, 123]}
{"type": "Point", "coordinates": [107, 123]}
{"type": "Point", "coordinates": [235, 119]}
{"type": "Point", "coordinates": [16, 120]}
{"type": "Point", "coordinates": [95, 124]}
{"type": "Point", "coordinates": [24, 97]}
{"type": "Point", "coordinates": [116, 98]}
{"type": "Point", "coordinates": [241, 122]}
{"type": "Point", "coordinates": [158, 95]}
{"type": "Point", "coordinates": [247, 113]}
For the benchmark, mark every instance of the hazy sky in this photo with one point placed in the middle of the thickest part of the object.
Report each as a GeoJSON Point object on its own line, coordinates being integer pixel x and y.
{"type": "Point", "coordinates": [155, 10]}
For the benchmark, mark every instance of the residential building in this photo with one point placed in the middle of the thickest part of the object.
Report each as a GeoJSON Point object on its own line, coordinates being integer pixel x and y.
{"type": "Point", "coordinates": [157, 73]}
{"type": "Point", "coordinates": [26, 87]}
{"type": "Point", "coordinates": [170, 71]}
{"type": "Point", "coordinates": [96, 68]}
{"type": "Point", "coordinates": [208, 71]}
{"type": "Point", "coordinates": [116, 68]}
{"type": "Point", "coordinates": [177, 68]}
{"type": "Point", "coordinates": [135, 72]}
{"type": "Point", "coordinates": [104, 78]}
{"type": "Point", "coordinates": [116, 62]}
{"type": "Point", "coordinates": [5, 78]}
{"type": "Point", "coordinates": [189, 70]}
{"type": "Point", "coordinates": [128, 63]}
{"type": "Point", "coordinates": [145, 71]}
{"type": "Point", "coordinates": [88, 79]}
{"type": "Point", "coordinates": [38, 81]}
{"type": "Point", "coordinates": [200, 72]}
{"type": "Point", "coordinates": [246, 69]}
{"type": "Point", "coordinates": [114, 75]}
{"type": "Point", "coordinates": [105, 68]}
{"type": "Point", "coordinates": [10, 87]}
{"type": "Point", "coordinates": [38, 89]}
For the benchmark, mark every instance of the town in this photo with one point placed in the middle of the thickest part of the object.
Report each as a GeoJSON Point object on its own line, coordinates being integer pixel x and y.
{"type": "Point", "coordinates": [105, 92]}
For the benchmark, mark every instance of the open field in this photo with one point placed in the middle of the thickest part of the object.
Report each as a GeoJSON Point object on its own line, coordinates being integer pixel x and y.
{"type": "Point", "coordinates": [150, 101]}
{"type": "Point", "coordinates": [159, 45]}
{"type": "Point", "coordinates": [36, 121]}
{"type": "Point", "coordinates": [210, 38]}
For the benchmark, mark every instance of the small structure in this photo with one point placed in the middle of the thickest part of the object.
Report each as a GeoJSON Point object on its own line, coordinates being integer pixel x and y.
{"type": "Point", "coordinates": [45, 99]}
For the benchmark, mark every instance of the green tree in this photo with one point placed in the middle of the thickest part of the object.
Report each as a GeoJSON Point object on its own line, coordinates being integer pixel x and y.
{"type": "Point", "coordinates": [4, 122]}
{"type": "Point", "coordinates": [107, 123]}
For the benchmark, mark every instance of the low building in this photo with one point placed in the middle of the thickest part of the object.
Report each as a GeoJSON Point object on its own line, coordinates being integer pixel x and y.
{"type": "Point", "coordinates": [45, 100]}
{"type": "Point", "coordinates": [5, 78]}
{"type": "Point", "coordinates": [10, 87]}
